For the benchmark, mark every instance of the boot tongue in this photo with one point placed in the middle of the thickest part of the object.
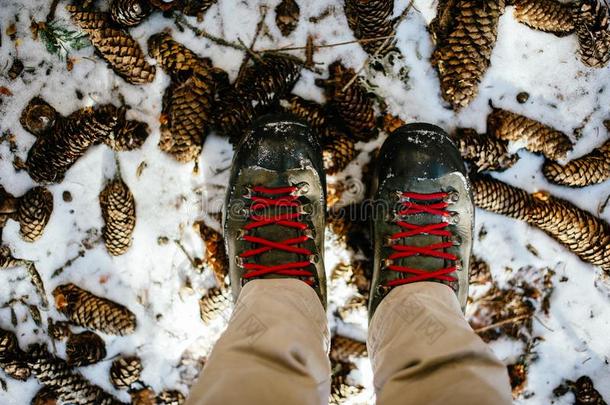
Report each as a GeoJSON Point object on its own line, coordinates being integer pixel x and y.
{"type": "Point", "coordinates": [421, 261]}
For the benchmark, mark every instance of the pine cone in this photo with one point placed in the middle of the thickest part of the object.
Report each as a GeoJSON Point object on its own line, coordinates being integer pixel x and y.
{"type": "Point", "coordinates": [354, 274]}
{"type": "Point", "coordinates": [485, 152]}
{"type": "Point", "coordinates": [122, 53]}
{"type": "Point", "coordinates": [70, 387]}
{"type": "Point", "coordinates": [546, 15]}
{"type": "Point", "coordinates": [129, 13]}
{"type": "Point", "coordinates": [261, 86]}
{"type": "Point", "coordinates": [353, 105]}
{"type": "Point", "coordinates": [93, 312]}
{"type": "Point", "coordinates": [144, 396]}
{"type": "Point", "coordinates": [356, 305]}
{"type": "Point", "coordinates": [287, 16]}
{"type": "Point", "coordinates": [196, 7]}
{"type": "Point", "coordinates": [495, 196]}
{"type": "Point", "coordinates": [541, 138]}
{"type": "Point", "coordinates": [170, 397]}
{"type": "Point", "coordinates": [310, 111]}
{"type": "Point", "coordinates": [592, 168]}
{"type": "Point", "coordinates": [127, 136]}
{"type": "Point", "coordinates": [83, 349]}
{"type": "Point", "coordinates": [340, 389]}
{"type": "Point", "coordinates": [517, 374]}
{"type": "Point", "coordinates": [185, 119]}
{"type": "Point", "coordinates": [584, 234]}
{"type": "Point", "coordinates": [38, 117]}
{"type": "Point", "coordinates": [53, 154]}
{"type": "Point", "coordinates": [174, 58]}
{"type": "Point", "coordinates": [344, 349]}
{"type": "Point", "coordinates": [119, 214]}
{"type": "Point", "coordinates": [59, 330]}
{"type": "Point", "coordinates": [188, 101]}
{"type": "Point", "coordinates": [370, 19]}
{"type": "Point", "coordinates": [216, 254]}
{"type": "Point", "coordinates": [125, 371]}
{"type": "Point", "coordinates": [592, 21]}
{"type": "Point", "coordinates": [33, 213]}
{"type": "Point", "coordinates": [13, 361]}
{"type": "Point", "coordinates": [465, 32]}
{"type": "Point", "coordinates": [45, 396]}
{"type": "Point", "coordinates": [480, 273]}
{"type": "Point", "coordinates": [391, 123]}
{"type": "Point", "coordinates": [214, 302]}
{"type": "Point", "coordinates": [337, 150]}
{"type": "Point", "coordinates": [585, 392]}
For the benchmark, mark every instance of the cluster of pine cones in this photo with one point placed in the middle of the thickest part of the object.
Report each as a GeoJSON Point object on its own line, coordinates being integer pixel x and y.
{"type": "Point", "coordinates": [581, 232]}
{"type": "Point", "coordinates": [60, 381]}
{"type": "Point", "coordinates": [465, 33]}
{"type": "Point", "coordinates": [200, 98]}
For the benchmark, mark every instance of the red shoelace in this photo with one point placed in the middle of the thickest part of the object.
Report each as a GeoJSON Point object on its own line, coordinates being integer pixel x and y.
{"type": "Point", "coordinates": [276, 197]}
{"type": "Point", "coordinates": [434, 204]}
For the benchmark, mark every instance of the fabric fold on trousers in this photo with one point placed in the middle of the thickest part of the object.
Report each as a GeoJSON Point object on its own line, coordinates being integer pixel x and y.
{"type": "Point", "coordinates": [274, 351]}
{"type": "Point", "coordinates": [423, 351]}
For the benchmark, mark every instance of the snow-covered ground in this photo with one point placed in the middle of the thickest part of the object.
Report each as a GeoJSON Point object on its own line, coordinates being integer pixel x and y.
{"type": "Point", "coordinates": [156, 280]}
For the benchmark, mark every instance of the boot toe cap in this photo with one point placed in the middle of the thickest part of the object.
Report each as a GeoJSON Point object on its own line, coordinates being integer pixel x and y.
{"type": "Point", "coordinates": [422, 151]}
{"type": "Point", "coordinates": [280, 143]}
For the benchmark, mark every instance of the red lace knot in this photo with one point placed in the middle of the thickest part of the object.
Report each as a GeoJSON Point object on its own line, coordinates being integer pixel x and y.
{"type": "Point", "coordinates": [424, 203]}
{"type": "Point", "coordinates": [286, 197]}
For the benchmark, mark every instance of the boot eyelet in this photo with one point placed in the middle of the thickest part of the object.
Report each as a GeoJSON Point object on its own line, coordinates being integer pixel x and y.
{"type": "Point", "coordinates": [383, 290]}
{"type": "Point", "coordinates": [239, 261]}
{"type": "Point", "coordinates": [388, 262]}
{"type": "Point", "coordinates": [241, 234]}
{"type": "Point", "coordinates": [248, 193]}
{"type": "Point", "coordinates": [452, 197]}
{"type": "Point", "coordinates": [389, 241]}
{"type": "Point", "coordinates": [456, 240]}
{"type": "Point", "coordinates": [454, 218]}
{"type": "Point", "coordinates": [313, 258]}
{"type": "Point", "coordinates": [458, 265]}
{"type": "Point", "coordinates": [310, 233]}
{"type": "Point", "coordinates": [306, 209]}
{"type": "Point", "coordinates": [243, 281]}
{"type": "Point", "coordinates": [303, 188]}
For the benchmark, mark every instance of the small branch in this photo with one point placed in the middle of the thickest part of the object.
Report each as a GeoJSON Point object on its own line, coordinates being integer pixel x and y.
{"type": "Point", "coordinates": [51, 14]}
{"type": "Point", "coordinates": [300, 48]}
{"type": "Point", "coordinates": [502, 323]}
{"type": "Point", "coordinates": [385, 43]}
{"type": "Point", "coordinates": [202, 33]}
{"type": "Point", "coordinates": [259, 26]}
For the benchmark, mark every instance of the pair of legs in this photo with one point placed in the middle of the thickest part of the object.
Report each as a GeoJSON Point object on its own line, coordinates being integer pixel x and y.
{"type": "Point", "coordinates": [275, 348]}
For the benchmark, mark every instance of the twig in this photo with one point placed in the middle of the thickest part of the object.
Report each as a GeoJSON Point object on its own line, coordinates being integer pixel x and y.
{"type": "Point", "coordinates": [250, 51]}
{"type": "Point", "coordinates": [543, 324]}
{"type": "Point", "coordinates": [502, 322]}
{"type": "Point", "coordinates": [187, 254]}
{"type": "Point", "coordinates": [51, 14]}
{"type": "Point", "coordinates": [202, 33]}
{"type": "Point", "coordinates": [57, 272]}
{"type": "Point", "coordinates": [385, 43]}
{"type": "Point", "coordinates": [354, 41]}
{"type": "Point", "coordinates": [259, 26]}
{"type": "Point", "coordinates": [36, 280]}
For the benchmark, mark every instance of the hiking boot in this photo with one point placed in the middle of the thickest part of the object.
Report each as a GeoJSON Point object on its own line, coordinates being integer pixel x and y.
{"type": "Point", "coordinates": [423, 231]}
{"type": "Point", "coordinates": [275, 206]}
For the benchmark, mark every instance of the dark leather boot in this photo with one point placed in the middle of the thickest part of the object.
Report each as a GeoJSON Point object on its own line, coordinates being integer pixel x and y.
{"type": "Point", "coordinates": [275, 206]}
{"type": "Point", "coordinates": [424, 215]}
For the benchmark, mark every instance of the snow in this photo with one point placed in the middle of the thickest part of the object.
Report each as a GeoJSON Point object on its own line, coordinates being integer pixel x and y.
{"type": "Point", "coordinates": [156, 280]}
